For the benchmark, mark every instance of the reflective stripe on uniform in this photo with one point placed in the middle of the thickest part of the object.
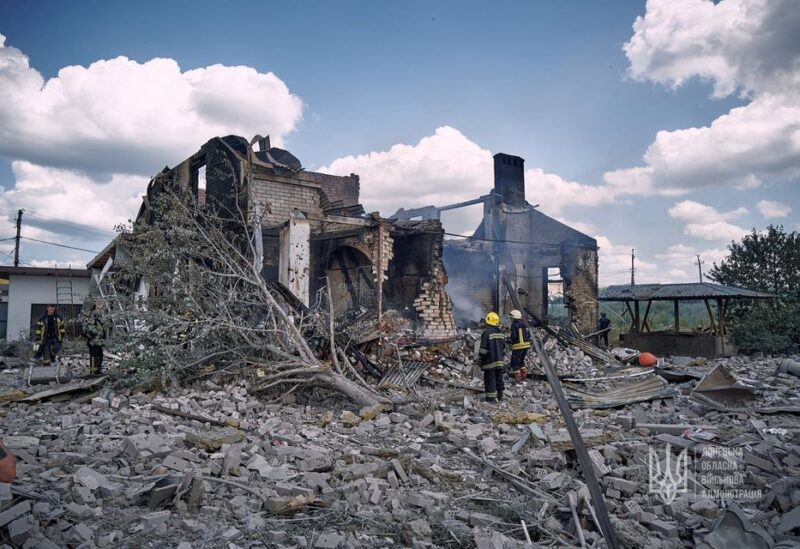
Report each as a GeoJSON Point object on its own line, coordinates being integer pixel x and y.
{"type": "Point", "coordinates": [492, 365]}
{"type": "Point", "coordinates": [521, 343]}
{"type": "Point", "coordinates": [496, 336]}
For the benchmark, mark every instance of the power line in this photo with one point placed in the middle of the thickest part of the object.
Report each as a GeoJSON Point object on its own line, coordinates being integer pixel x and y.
{"type": "Point", "coordinates": [79, 226]}
{"type": "Point", "coordinates": [61, 245]}
{"type": "Point", "coordinates": [497, 240]}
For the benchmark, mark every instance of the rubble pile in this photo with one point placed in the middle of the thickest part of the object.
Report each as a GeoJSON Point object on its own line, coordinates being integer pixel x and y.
{"type": "Point", "coordinates": [214, 465]}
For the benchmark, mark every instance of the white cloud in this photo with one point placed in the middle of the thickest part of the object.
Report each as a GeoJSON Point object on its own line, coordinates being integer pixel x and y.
{"type": "Point", "coordinates": [615, 263]}
{"type": "Point", "coordinates": [740, 149]}
{"type": "Point", "coordinates": [554, 193]}
{"type": "Point", "coordinates": [689, 210]}
{"type": "Point", "coordinates": [70, 195]}
{"type": "Point", "coordinates": [442, 168]}
{"type": "Point", "coordinates": [84, 142]}
{"type": "Point", "coordinates": [745, 45]}
{"type": "Point", "coordinates": [121, 116]}
{"type": "Point", "coordinates": [702, 221]}
{"type": "Point", "coordinates": [445, 168]}
{"type": "Point", "coordinates": [679, 262]}
{"type": "Point", "coordinates": [749, 45]}
{"type": "Point", "coordinates": [771, 209]}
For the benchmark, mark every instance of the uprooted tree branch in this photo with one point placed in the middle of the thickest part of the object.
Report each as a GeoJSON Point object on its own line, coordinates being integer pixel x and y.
{"type": "Point", "coordinates": [194, 300]}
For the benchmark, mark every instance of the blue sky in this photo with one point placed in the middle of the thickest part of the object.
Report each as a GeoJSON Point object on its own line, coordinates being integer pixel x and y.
{"type": "Point", "coordinates": [551, 82]}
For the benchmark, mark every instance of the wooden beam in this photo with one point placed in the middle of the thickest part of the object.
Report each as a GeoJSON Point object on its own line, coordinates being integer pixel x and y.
{"type": "Point", "coordinates": [723, 324]}
{"type": "Point", "coordinates": [645, 325]}
{"type": "Point", "coordinates": [711, 317]}
{"type": "Point", "coordinates": [636, 321]}
{"type": "Point", "coordinates": [677, 326]}
{"type": "Point", "coordinates": [633, 320]}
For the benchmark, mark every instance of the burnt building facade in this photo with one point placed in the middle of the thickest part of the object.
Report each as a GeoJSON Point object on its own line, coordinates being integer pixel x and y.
{"type": "Point", "coordinates": [550, 266]}
{"type": "Point", "coordinates": [316, 233]}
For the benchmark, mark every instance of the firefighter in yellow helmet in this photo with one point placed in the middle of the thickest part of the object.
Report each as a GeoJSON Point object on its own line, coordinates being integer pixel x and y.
{"type": "Point", "coordinates": [492, 349]}
{"type": "Point", "coordinates": [520, 341]}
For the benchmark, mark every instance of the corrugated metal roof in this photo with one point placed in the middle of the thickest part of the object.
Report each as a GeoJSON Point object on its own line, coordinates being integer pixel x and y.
{"type": "Point", "coordinates": [692, 290]}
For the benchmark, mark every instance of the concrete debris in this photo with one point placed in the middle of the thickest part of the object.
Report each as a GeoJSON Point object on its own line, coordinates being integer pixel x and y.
{"type": "Point", "coordinates": [111, 470]}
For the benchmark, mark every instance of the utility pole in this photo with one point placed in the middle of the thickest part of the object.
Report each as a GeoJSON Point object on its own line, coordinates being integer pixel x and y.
{"type": "Point", "coordinates": [16, 239]}
{"type": "Point", "coordinates": [699, 268]}
{"type": "Point", "coordinates": [633, 268]}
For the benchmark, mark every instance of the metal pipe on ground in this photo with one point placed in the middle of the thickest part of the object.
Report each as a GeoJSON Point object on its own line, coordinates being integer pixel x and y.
{"type": "Point", "coordinates": [598, 502]}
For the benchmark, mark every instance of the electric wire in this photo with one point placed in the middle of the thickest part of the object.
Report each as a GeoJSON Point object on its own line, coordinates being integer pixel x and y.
{"type": "Point", "coordinates": [60, 245]}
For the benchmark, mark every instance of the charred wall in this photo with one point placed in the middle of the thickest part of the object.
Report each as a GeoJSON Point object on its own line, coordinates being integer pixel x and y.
{"type": "Point", "coordinates": [579, 271]}
{"type": "Point", "coordinates": [417, 277]}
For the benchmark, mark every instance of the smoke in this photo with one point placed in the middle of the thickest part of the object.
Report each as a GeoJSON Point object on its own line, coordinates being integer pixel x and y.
{"type": "Point", "coordinates": [465, 308]}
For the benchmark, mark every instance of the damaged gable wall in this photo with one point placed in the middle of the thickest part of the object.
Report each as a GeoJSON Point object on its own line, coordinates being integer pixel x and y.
{"type": "Point", "coordinates": [523, 243]}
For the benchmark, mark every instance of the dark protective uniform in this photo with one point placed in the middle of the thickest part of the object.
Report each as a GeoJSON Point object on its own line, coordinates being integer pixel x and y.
{"type": "Point", "coordinates": [604, 323]}
{"type": "Point", "coordinates": [50, 332]}
{"type": "Point", "coordinates": [520, 341]}
{"type": "Point", "coordinates": [95, 333]}
{"type": "Point", "coordinates": [492, 349]}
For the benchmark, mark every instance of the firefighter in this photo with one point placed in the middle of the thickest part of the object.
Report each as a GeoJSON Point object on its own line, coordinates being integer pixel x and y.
{"type": "Point", "coordinates": [520, 341]}
{"type": "Point", "coordinates": [94, 331]}
{"type": "Point", "coordinates": [492, 349]}
{"type": "Point", "coordinates": [50, 331]}
{"type": "Point", "coordinates": [603, 327]}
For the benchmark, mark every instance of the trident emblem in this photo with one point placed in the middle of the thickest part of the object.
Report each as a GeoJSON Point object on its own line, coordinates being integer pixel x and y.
{"type": "Point", "coordinates": [670, 481]}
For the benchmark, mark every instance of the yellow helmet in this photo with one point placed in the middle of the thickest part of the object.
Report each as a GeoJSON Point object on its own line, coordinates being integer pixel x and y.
{"type": "Point", "coordinates": [493, 319]}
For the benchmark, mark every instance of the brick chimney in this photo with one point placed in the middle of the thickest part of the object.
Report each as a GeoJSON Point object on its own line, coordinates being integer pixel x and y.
{"type": "Point", "coordinates": [509, 178]}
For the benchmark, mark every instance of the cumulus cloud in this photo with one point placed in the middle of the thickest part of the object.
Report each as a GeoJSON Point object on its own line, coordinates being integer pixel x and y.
{"type": "Point", "coordinates": [771, 209]}
{"type": "Point", "coordinates": [84, 142]}
{"type": "Point", "coordinates": [441, 168]}
{"type": "Point", "coordinates": [679, 262]}
{"type": "Point", "coordinates": [54, 194]}
{"type": "Point", "coordinates": [615, 263]}
{"type": "Point", "coordinates": [702, 221]}
{"type": "Point", "coordinates": [749, 46]}
{"type": "Point", "coordinates": [448, 167]}
{"type": "Point", "coordinates": [121, 116]}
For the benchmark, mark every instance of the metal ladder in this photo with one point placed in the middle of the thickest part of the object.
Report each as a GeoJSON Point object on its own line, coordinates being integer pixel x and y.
{"type": "Point", "coordinates": [64, 288]}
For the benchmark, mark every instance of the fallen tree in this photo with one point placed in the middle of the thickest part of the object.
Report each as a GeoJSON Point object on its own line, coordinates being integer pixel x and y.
{"type": "Point", "coordinates": [193, 299]}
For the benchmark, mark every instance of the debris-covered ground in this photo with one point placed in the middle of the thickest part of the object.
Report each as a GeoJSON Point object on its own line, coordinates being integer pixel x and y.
{"type": "Point", "coordinates": [212, 465]}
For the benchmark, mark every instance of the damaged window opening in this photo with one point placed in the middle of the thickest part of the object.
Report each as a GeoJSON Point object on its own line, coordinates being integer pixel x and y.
{"type": "Point", "coordinates": [349, 273]}
{"type": "Point", "coordinates": [557, 311]}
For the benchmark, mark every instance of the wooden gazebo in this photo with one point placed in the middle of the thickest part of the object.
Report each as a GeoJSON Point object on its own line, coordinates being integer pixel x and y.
{"type": "Point", "coordinates": [640, 336]}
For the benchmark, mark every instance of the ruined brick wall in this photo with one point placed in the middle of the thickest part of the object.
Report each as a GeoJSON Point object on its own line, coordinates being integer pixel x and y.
{"type": "Point", "coordinates": [434, 306]}
{"type": "Point", "coordinates": [344, 188]}
{"type": "Point", "coordinates": [381, 252]}
{"type": "Point", "coordinates": [418, 277]}
{"type": "Point", "coordinates": [579, 271]}
{"type": "Point", "coordinates": [277, 197]}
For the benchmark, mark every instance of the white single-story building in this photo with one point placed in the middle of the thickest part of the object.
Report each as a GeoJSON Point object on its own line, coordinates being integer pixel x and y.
{"type": "Point", "coordinates": [25, 293]}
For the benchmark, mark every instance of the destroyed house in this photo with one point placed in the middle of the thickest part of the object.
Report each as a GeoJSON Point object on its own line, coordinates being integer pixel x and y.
{"type": "Point", "coordinates": [315, 232]}
{"type": "Point", "coordinates": [550, 266]}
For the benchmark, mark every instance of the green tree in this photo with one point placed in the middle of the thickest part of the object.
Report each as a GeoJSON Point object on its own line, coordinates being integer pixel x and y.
{"type": "Point", "coordinates": [770, 262]}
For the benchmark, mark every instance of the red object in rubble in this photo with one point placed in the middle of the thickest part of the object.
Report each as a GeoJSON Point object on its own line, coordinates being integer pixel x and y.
{"type": "Point", "coordinates": [647, 359]}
